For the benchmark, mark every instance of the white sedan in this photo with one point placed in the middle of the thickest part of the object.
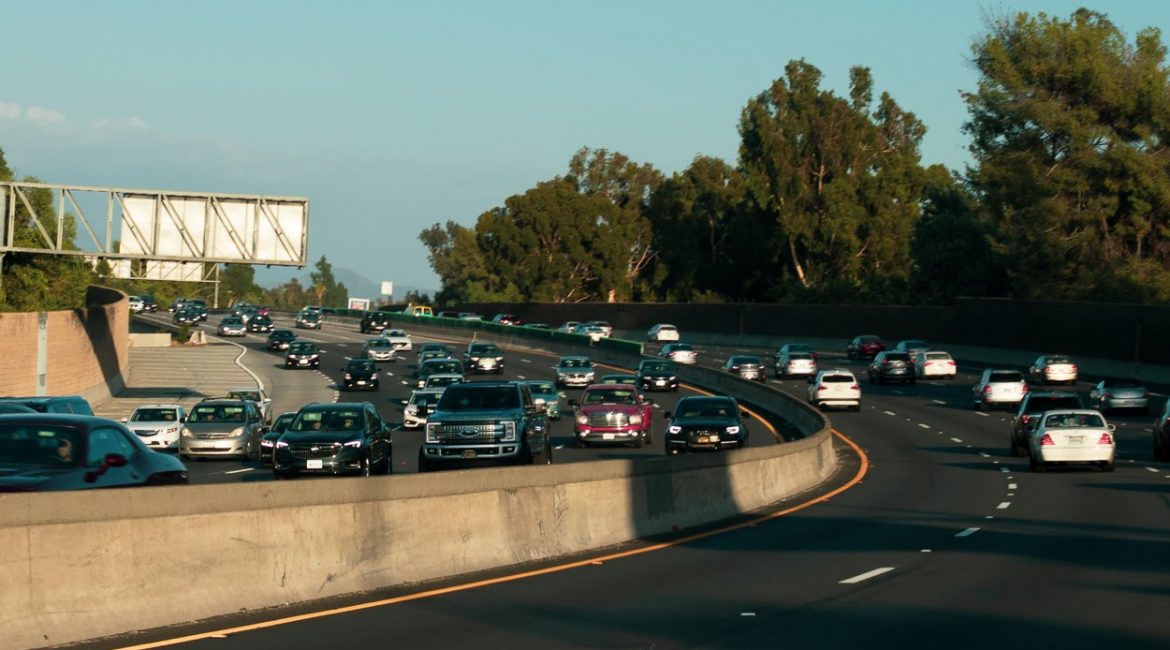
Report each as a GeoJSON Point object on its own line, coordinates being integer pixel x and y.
{"type": "Point", "coordinates": [158, 425]}
{"type": "Point", "coordinates": [835, 387]}
{"type": "Point", "coordinates": [398, 338]}
{"type": "Point", "coordinates": [1072, 436]}
{"type": "Point", "coordinates": [663, 332]}
{"type": "Point", "coordinates": [679, 353]}
{"type": "Point", "coordinates": [934, 363]}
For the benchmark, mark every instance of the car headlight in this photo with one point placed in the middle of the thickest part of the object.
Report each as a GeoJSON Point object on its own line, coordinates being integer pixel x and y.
{"type": "Point", "coordinates": [280, 444]}
{"type": "Point", "coordinates": [636, 418]}
{"type": "Point", "coordinates": [509, 432]}
{"type": "Point", "coordinates": [499, 358]}
{"type": "Point", "coordinates": [186, 432]}
{"type": "Point", "coordinates": [348, 376]}
{"type": "Point", "coordinates": [432, 434]}
{"type": "Point", "coordinates": [170, 429]}
{"type": "Point", "coordinates": [590, 375]}
{"type": "Point", "coordinates": [674, 428]}
{"type": "Point", "coordinates": [733, 430]}
{"type": "Point", "coordinates": [411, 409]}
{"type": "Point", "coordinates": [582, 419]}
{"type": "Point", "coordinates": [236, 432]}
{"type": "Point", "coordinates": [267, 443]}
{"type": "Point", "coordinates": [474, 359]}
{"type": "Point", "coordinates": [353, 443]}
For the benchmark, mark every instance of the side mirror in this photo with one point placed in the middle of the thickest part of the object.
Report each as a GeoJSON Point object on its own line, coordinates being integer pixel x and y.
{"type": "Point", "coordinates": [183, 419]}
{"type": "Point", "coordinates": [1113, 427]}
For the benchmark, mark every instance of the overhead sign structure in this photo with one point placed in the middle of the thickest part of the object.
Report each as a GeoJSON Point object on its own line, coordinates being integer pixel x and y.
{"type": "Point", "coordinates": [159, 226]}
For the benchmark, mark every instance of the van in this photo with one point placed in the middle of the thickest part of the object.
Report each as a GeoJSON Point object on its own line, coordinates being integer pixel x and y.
{"type": "Point", "coordinates": [74, 404]}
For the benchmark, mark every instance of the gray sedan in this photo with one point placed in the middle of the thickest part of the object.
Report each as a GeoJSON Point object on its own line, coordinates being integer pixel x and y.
{"type": "Point", "coordinates": [1120, 393]}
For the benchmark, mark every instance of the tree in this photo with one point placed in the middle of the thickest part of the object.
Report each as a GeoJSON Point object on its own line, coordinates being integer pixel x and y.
{"type": "Point", "coordinates": [838, 179]}
{"type": "Point", "coordinates": [455, 257]}
{"type": "Point", "coordinates": [325, 288]}
{"type": "Point", "coordinates": [290, 296]}
{"type": "Point", "coordinates": [1069, 128]}
{"type": "Point", "coordinates": [238, 284]}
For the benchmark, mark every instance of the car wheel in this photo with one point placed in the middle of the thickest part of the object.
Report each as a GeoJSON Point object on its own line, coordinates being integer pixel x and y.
{"type": "Point", "coordinates": [582, 444]}
{"type": "Point", "coordinates": [1035, 465]}
{"type": "Point", "coordinates": [1159, 450]}
{"type": "Point", "coordinates": [1107, 466]}
{"type": "Point", "coordinates": [425, 465]}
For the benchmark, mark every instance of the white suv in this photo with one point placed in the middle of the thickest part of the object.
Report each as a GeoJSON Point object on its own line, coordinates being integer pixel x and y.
{"type": "Point", "coordinates": [999, 387]}
{"type": "Point", "coordinates": [663, 332]}
{"type": "Point", "coordinates": [1053, 369]}
{"type": "Point", "coordinates": [835, 387]}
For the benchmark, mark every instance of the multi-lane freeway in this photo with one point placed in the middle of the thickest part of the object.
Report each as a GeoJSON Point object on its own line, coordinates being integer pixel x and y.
{"type": "Point", "coordinates": [941, 537]}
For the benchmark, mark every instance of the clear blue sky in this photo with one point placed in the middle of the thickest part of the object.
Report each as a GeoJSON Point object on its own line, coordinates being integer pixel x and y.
{"type": "Point", "coordinates": [392, 116]}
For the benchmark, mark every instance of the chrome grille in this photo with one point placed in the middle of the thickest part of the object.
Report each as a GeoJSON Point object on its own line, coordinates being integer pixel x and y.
{"type": "Point", "coordinates": [327, 450]}
{"type": "Point", "coordinates": [146, 433]}
{"type": "Point", "coordinates": [469, 431]}
{"type": "Point", "coordinates": [610, 419]}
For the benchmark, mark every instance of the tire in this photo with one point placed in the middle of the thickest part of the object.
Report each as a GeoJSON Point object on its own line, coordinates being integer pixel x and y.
{"type": "Point", "coordinates": [581, 444]}
{"type": "Point", "coordinates": [1036, 466]}
{"type": "Point", "coordinates": [1016, 449]}
{"type": "Point", "coordinates": [1107, 467]}
{"type": "Point", "coordinates": [639, 442]}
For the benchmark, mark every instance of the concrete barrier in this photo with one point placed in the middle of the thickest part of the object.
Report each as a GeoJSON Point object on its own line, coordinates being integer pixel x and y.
{"type": "Point", "coordinates": [150, 340]}
{"type": "Point", "coordinates": [83, 565]}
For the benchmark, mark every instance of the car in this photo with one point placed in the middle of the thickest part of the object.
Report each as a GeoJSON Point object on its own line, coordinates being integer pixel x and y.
{"type": "Point", "coordinates": [470, 315]}
{"type": "Point", "coordinates": [379, 349]}
{"type": "Point", "coordinates": [891, 366]}
{"type": "Point", "coordinates": [483, 357]}
{"type": "Point", "coordinates": [569, 327]}
{"type": "Point", "coordinates": [149, 304]}
{"type": "Point", "coordinates": [136, 304]}
{"type": "Point", "coordinates": [261, 323]}
{"type": "Point", "coordinates": [74, 404]}
{"type": "Point", "coordinates": [436, 366]}
{"type": "Point", "coordinates": [374, 322]}
{"type": "Point", "coordinates": [313, 309]}
{"type": "Point", "coordinates": [427, 355]}
{"type": "Point", "coordinates": [359, 374]}
{"type": "Point", "coordinates": [220, 427]}
{"type": "Point", "coordinates": [620, 378]}
{"type": "Point", "coordinates": [657, 374]}
{"type": "Point", "coordinates": [793, 362]}
{"type": "Point", "coordinates": [505, 319]}
{"type": "Point", "coordinates": [574, 370]}
{"type": "Point", "coordinates": [8, 408]}
{"type": "Point", "coordinates": [231, 326]}
{"type": "Point", "coordinates": [999, 388]}
{"type": "Point", "coordinates": [930, 364]}
{"type": "Point", "coordinates": [746, 366]}
{"type": "Point", "coordinates": [434, 347]}
{"type": "Point", "coordinates": [49, 452]}
{"type": "Point", "coordinates": [399, 339]}
{"type": "Point", "coordinates": [612, 413]}
{"type": "Point", "coordinates": [186, 316]}
{"type": "Point", "coordinates": [864, 346]}
{"type": "Point", "coordinates": [158, 425]}
{"type": "Point", "coordinates": [705, 422]}
{"type": "Point", "coordinates": [333, 439]}
{"type": "Point", "coordinates": [606, 328]}
{"type": "Point", "coordinates": [441, 380]}
{"type": "Point", "coordinates": [1032, 406]}
{"type": "Point", "coordinates": [303, 354]}
{"type": "Point", "coordinates": [545, 395]}
{"type": "Point", "coordinates": [679, 353]}
{"type": "Point", "coordinates": [912, 347]}
{"type": "Point", "coordinates": [257, 395]}
{"type": "Point", "coordinates": [199, 307]}
{"type": "Point", "coordinates": [834, 387]}
{"type": "Point", "coordinates": [279, 340]}
{"type": "Point", "coordinates": [448, 314]}
{"type": "Point", "coordinates": [419, 406]}
{"type": "Point", "coordinates": [244, 312]}
{"type": "Point", "coordinates": [268, 440]}
{"type": "Point", "coordinates": [485, 422]}
{"type": "Point", "coordinates": [178, 304]}
{"type": "Point", "coordinates": [662, 332]}
{"type": "Point", "coordinates": [1161, 430]}
{"type": "Point", "coordinates": [308, 320]}
{"type": "Point", "coordinates": [1072, 437]}
{"type": "Point", "coordinates": [1120, 393]}
{"type": "Point", "coordinates": [1052, 369]}
{"type": "Point", "coordinates": [594, 332]}
{"type": "Point", "coordinates": [806, 348]}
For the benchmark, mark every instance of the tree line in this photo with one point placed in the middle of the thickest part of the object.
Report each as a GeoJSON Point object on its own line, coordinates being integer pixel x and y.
{"type": "Point", "coordinates": [1067, 195]}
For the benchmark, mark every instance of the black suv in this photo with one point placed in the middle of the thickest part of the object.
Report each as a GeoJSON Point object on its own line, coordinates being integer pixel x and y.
{"type": "Point", "coordinates": [260, 324]}
{"type": "Point", "coordinates": [657, 374]}
{"type": "Point", "coordinates": [149, 304]}
{"type": "Point", "coordinates": [705, 423]}
{"type": "Point", "coordinates": [359, 374]}
{"type": "Point", "coordinates": [344, 438]}
{"type": "Point", "coordinates": [1031, 408]}
{"type": "Point", "coordinates": [891, 366]}
{"type": "Point", "coordinates": [280, 340]}
{"type": "Point", "coordinates": [485, 421]}
{"type": "Point", "coordinates": [374, 322]}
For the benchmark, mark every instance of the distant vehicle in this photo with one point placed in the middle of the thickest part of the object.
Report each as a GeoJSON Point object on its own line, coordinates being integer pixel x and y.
{"type": "Point", "coordinates": [912, 347]}
{"type": "Point", "coordinates": [999, 387]}
{"type": "Point", "coordinates": [399, 339]}
{"type": "Point", "coordinates": [309, 320]}
{"type": "Point", "coordinates": [1072, 437]}
{"type": "Point", "coordinates": [447, 314]}
{"type": "Point", "coordinates": [702, 422]}
{"type": "Point", "coordinates": [231, 326]}
{"type": "Point", "coordinates": [574, 370]}
{"type": "Point", "coordinates": [261, 323]}
{"type": "Point", "coordinates": [470, 315]}
{"type": "Point", "coordinates": [746, 366]}
{"type": "Point", "coordinates": [594, 332]}
{"type": "Point", "coordinates": [419, 406]}
{"type": "Point", "coordinates": [436, 366]}
{"type": "Point", "coordinates": [344, 438]}
{"type": "Point", "coordinates": [1032, 407]}
{"type": "Point", "coordinates": [50, 452]}
{"type": "Point", "coordinates": [806, 348]}
{"type": "Point", "coordinates": [657, 374]}
{"type": "Point", "coordinates": [280, 339]}
{"type": "Point", "coordinates": [149, 304]}
{"type": "Point", "coordinates": [199, 307]}
{"type": "Point", "coordinates": [186, 316]}
{"type": "Point", "coordinates": [865, 346]}
{"type": "Point", "coordinates": [1120, 393]}
{"type": "Point", "coordinates": [483, 357]}
{"type": "Point", "coordinates": [663, 332]}
{"type": "Point", "coordinates": [545, 395]}
{"type": "Point", "coordinates": [441, 380]}
{"type": "Point", "coordinates": [159, 426]}
{"type": "Point", "coordinates": [505, 319]}
{"type": "Point", "coordinates": [427, 355]}
{"type": "Point", "coordinates": [136, 304]}
{"type": "Point", "coordinates": [374, 322]}
{"type": "Point", "coordinates": [379, 349]}
{"type": "Point", "coordinates": [792, 362]}
{"type": "Point", "coordinates": [613, 413]}
{"type": "Point", "coordinates": [934, 363]}
{"type": "Point", "coordinates": [268, 440]}
{"type": "Point", "coordinates": [302, 354]}
{"type": "Point", "coordinates": [834, 387]}
{"type": "Point", "coordinates": [679, 353]}
{"type": "Point", "coordinates": [1053, 369]}
{"type": "Point", "coordinates": [604, 325]}
{"type": "Point", "coordinates": [359, 374]}
{"type": "Point", "coordinates": [569, 326]}
{"type": "Point", "coordinates": [434, 347]}
{"type": "Point", "coordinates": [68, 404]}
{"type": "Point", "coordinates": [891, 366]}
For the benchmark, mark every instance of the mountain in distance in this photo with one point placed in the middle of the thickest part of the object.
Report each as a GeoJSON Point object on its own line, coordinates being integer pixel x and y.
{"type": "Point", "coordinates": [359, 286]}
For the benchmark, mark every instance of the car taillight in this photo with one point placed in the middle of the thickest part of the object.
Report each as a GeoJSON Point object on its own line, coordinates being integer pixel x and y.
{"type": "Point", "coordinates": [1026, 418]}
{"type": "Point", "coordinates": [822, 387]}
{"type": "Point", "coordinates": [855, 387]}
{"type": "Point", "coordinates": [1046, 440]}
{"type": "Point", "coordinates": [1106, 439]}
{"type": "Point", "coordinates": [950, 363]}
{"type": "Point", "coordinates": [987, 388]}
{"type": "Point", "coordinates": [1024, 388]}
{"type": "Point", "coordinates": [1074, 367]}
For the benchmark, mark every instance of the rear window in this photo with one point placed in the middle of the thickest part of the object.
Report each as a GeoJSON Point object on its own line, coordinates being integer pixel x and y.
{"type": "Point", "coordinates": [897, 356]}
{"type": "Point", "coordinates": [1073, 420]}
{"type": "Point", "coordinates": [466, 397]}
{"type": "Point", "coordinates": [1005, 377]}
{"type": "Point", "coordinates": [938, 356]}
{"type": "Point", "coordinates": [1054, 360]}
{"type": "Point", "coordinates": [839, 379]}
{"type": "Point", "coordinates": [800, 356]}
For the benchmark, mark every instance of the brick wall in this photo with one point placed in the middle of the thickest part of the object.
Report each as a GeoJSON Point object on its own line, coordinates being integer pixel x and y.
{"type": "Point", "coordinates": [87, 348]}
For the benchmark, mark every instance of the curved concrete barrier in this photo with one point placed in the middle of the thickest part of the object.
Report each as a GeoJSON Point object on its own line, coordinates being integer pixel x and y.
{"type": "Point", "coordinates": [88, 564]}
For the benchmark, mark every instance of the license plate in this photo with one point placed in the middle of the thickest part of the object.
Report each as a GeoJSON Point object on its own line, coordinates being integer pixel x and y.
{"type": "Point", "coordinates": [1076, 440]}
{"type": "Point", "coordinates": [469, 453]}
{"type": "Point", "coordinates": [704, 439]}
{"type": "Point", "coordinates": [660, 382]}
{"type": "Point", "coordinates": [361, 382]}
{"type": "Point", "coordinates": [303, 362]}
{"type": "Point", "coordinates": [314, 464]}
{"type": "Point", "coordinates": [607, 436]}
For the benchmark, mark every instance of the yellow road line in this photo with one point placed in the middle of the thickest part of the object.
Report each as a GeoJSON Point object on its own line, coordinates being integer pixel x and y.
{"type": "Point", "coordinates": [861, 472]}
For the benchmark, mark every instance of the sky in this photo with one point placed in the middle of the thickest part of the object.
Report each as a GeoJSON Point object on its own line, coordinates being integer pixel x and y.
{"type": "Point", "coordinates": [393, 116]}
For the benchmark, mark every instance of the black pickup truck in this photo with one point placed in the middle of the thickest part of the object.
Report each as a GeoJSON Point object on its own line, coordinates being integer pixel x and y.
{"type": "Point", "coordinates": [475, 423]}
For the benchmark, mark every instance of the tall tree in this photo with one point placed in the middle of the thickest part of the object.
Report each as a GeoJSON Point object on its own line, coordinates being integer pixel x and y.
{"type": "Point", "coordinates": [838, 178]}
{"type": "Point", "coordinates": [325, 289]}
{"type": "Point", "coordinates": [238, 283]}
{"type": "Point", "coordinates": [455, 256]}
{"type": "Point", "coordinates": [1069, 129]}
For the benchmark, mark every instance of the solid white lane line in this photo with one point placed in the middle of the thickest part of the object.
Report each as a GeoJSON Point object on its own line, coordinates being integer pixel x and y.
{"type": "Point", "coordinates": [1012, 486]}
{"type": "Point", "coordinates": [897, 392]}
{"type": "Point", "coordinates": [889, 412]}
{"type": "Point", "coordinates": [924, 426]}
{"type": "Point", "coordinates": [240, 471]}
{"type": "Point", "coordinates": [866, 576]}
{"type": "Point", "coordinates": [985, 454]}
{"type": "Point", "coordinates": [982, 413]}
{"type": "Point", "coordinates": [956, 440]}
{"type": "Point", "coordinates": [968, 532]}
{"type": "Point", "coordinates": [1152, 469]}
{"type": "Point", "coordinates": [938, 401]}
{"type": "Point", "coordinates": [1004, 505]}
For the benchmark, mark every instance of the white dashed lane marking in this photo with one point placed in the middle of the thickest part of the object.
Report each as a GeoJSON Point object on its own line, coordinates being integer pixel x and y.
{"type": "Point", "coordinates": [957, 440]}
{"type": "Point", "coordinates": [985, 454]}
{"type": "Point", "coordinates": [889, 412]}
{"type": "Point", "coordinates": [967, 533]}
{"type": "Point", "coordinates": [866, 576]}
{"type": "Point", "coordinates": [1152, 469]}
{"type": "Point", "coordinates": [1012, 486]}
{"type": "Point", "coordinates": [982, 413]}
{"type": "Point", "coordinates": [1004, 505]}
{"type": "Point", "coordinates": [240, 471]}
{"type": "Point", "coordinates": [924, 426]}
{"type": "Point", "coordinates": [525, 361]}
{"type": "Point", "coordinates": [938, 401]}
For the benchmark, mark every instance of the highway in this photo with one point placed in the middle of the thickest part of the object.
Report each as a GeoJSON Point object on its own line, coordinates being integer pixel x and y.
{"type": "Point", "coordinates": [941, 538]}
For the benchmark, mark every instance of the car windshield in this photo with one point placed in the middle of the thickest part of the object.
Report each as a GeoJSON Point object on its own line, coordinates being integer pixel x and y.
{"type": "Point", "coordinates": [543, 387]}
{"type": "Point", "coordinates": [331, 420]}
{"type": "Point", "coordinates": [443, 365]}
{"type": "Point", "coordinates": [574, 363]}
{"type": "Point", "coordinates": [706, 409]}
{"type": "Point", "coordinates": [656, 366]}
{"type": "Point", "coordinates": [310, 316]}
{"type": "Point", "coordinates": [1005, 377]}
{"type": "Point", "coordinates": [463, 397]}
{"type": "Point", "coordinates": [216, 413]}
{"type": "Point", "coordinates": [41, 445]}
{"type": "Point", "coordinates": [681, 347]}
{"type": "Point", "coordinates": [897, 356]}
{"type": "Point", "coordinates": [396, 333]}
{"type": "Point", "coordinates": [232, 321]}
{"type": "Point", "coordinates": [245, 394]}
{"type": "Point", "coordinates": [611, 396]}
{"type": "Point", "coordinates": [380, 343]}
{"type": "Point", "coordinates": [486, 349]}
{"type": "Point", "coordinates": [1055, 360]}
{"type": "Point", "coordinates": [154, 415]}
{"type": "Point", "coordinates": [745, 360]}
{"type": "Point", "coordinates": [302, 348]}
{"type": "Point", "coordinates": [443, 380]}
{"type": "Point", "coordinates": [1073, 421]}
{"type": "Point", "coordinates": [282, 334]}
{"type": "Point", "coordinates": [626, 380]}
{"type": "Point", "coordinates": [283, 421]}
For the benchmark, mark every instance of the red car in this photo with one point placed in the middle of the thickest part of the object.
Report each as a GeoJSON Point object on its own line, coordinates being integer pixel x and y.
{"type": "Point", "coordinates": [866, 346]}
{"type": "Point", "coordinates": [612, 413]}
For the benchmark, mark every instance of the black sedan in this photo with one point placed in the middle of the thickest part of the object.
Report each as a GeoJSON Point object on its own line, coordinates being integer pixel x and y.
{"type": "Point", "coordinates": [344, 438]}
{"type": "Point", "coordinates": [359, 374]}
{"type": "Point", "coordinates": [702, 422]}
{"type": "Point", "coordinates": [302, 354]}
{"type": "Point", "coordinates": [42, 452]}
{"type": "Point", "coordinates": [279, 340]}
{"type": "Point", "coordinates": [262, 324]}
{"type": "Point", "coordinates": [657, 374]}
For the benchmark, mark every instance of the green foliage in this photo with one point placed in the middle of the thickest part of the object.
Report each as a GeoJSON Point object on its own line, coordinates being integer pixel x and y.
{"type": "Point", "coordinates": [325, 289]}
{"type": "Point", "coordinates": [1068, 128]}
{"type": "Point", "coordinates": [290, 296]}
{"type": "Point", "coordinates": [416, 298]}
{"type": "Point", "coordinates": [237, 283]}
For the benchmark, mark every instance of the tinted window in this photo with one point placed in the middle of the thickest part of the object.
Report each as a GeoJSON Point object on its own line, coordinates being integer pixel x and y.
{"type": "Point", "coordinates": [1053, 403]}
{"type": "Point", "coordinates": [107, 440]}
{"type": "Point", "coordinates": [706, 408]}
{"type": "Point", "coordinates": [897, 356]}
{"type": "Point", "coordinates": [837, 379]}
{"type": "Point", "coordinates": [479, 397]}
{"type": "Point", "coordinates": [611, 396]}
{"type": "Point", "coordinates": [1073, 420]}
{"type": "Point", "coordinates": [543, 387]}
{"type": "Point", "coordinates": [44, 445]}
{"type": "Point", "coordinates": [209, 413]}
{"type": "Point", "coordinates": [1005, 376]}
{"type": "Point", "coordinates": [1122, 383]}
{"type": "Point", "coordinates": [331, 420]}
{"type": "Point", "coordinates": [153, 415]}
